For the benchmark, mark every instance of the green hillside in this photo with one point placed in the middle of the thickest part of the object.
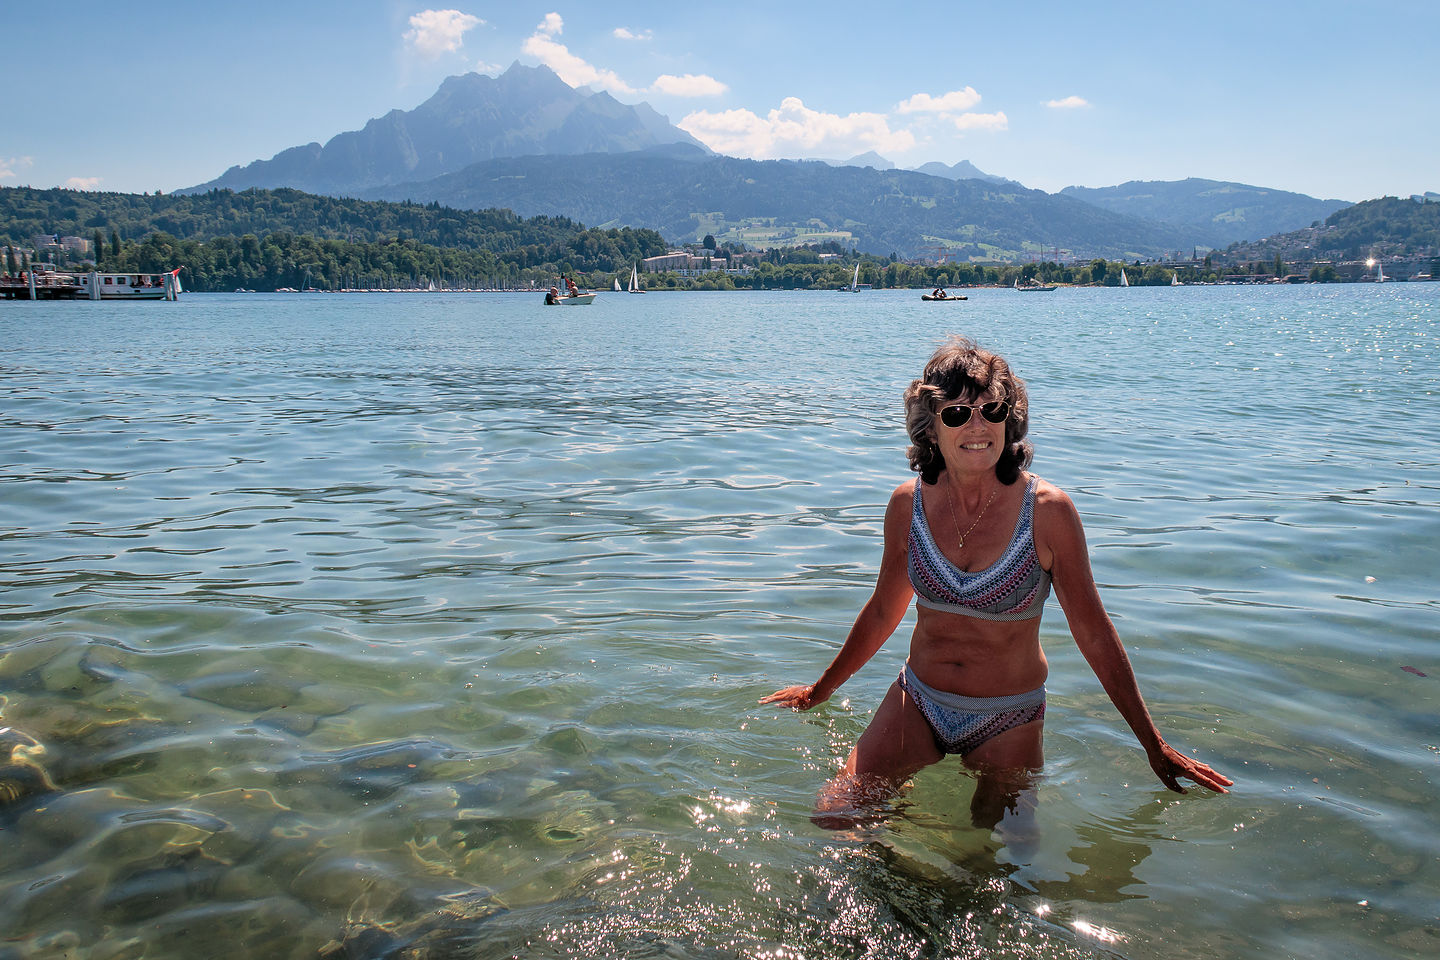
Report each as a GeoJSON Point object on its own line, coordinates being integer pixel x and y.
{"type": "Point", "coordinates": [1387, 227]}
{"type": "Point", "coordinates": [264, 239]}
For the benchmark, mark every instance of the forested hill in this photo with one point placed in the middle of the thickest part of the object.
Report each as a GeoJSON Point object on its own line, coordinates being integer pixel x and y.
{"type": "Point", "coordinates": [268, 239]}
{"type": "Point", "coordinates": [26, 212]}
{"type": "Point", "coordinates": [1387, 227]}
{"type": "Point", "coordinates": [685, 193]}
{"type": "Point", "coordinates": [1214, 212]}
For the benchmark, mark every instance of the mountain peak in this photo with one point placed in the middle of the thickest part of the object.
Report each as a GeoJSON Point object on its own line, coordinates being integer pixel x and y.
{"type": "Point", "coordinates": [471, 117]}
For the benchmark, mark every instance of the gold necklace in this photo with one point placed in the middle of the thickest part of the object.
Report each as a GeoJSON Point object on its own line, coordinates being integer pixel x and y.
{"type": "Point", "coordinates": [960, 544]}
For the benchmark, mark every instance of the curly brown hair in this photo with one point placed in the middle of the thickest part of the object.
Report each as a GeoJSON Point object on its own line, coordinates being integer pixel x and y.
{"type": "Point", "coordinates": [961, 369]}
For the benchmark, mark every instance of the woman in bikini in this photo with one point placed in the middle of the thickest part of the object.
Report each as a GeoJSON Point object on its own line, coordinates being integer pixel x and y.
{"type": "Point", "coordinates": [977, 541]}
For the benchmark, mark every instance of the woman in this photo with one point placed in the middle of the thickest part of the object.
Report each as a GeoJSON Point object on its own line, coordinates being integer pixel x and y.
{"type": "Point", "coordinates": [978, 542]}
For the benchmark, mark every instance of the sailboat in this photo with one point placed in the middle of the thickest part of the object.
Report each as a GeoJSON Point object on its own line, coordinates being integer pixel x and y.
{"type": "Point", "coordinates": [1379, 273]}
{"type": "Point", "coordinates": [855, 280]}
{"type": "Point", "coordinates": [616, 287]}
{"type": "Point", "coordinates": [1124, 280]}
{"type": "Point", "coordinates": [1175, 279]}
{"type": "Point", "coordinates": [634, 280]}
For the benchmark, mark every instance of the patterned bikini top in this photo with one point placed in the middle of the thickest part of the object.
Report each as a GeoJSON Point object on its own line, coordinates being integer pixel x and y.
{"type": "Point", "coordinates": [1012, 588]}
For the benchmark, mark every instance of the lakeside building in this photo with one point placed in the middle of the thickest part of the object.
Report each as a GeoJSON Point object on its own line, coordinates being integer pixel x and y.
{"type": "Point", "coordinates": [51, 243]}
{"type": "Point", "coordinates": [687, 264]}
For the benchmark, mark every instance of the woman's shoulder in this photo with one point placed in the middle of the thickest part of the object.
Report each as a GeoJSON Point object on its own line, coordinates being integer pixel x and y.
{"type": "Point", "coordinates": [1049, 499]}
{"type": "Point", "coordinates": [904, 494]}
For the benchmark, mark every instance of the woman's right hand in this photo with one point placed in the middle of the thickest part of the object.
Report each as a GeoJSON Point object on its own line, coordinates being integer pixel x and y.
{"type": "Point", "coordinates": [796, 698]}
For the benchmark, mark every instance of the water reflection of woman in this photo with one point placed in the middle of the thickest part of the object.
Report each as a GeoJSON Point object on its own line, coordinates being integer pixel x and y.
{"type": "Point", "coordinates": [977, 541]}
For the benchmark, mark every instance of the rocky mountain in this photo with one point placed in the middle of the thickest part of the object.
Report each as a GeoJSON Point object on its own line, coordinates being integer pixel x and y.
{"type": "Point", "coordinates": [525, 110]}
{"type": "Point", "coordinates": [1215, 213]}
{"type": "Point", "coordinates": [684, 192]}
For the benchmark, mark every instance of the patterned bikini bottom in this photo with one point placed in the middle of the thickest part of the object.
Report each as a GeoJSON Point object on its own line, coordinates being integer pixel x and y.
{"type": "Point", "coordinates": [961, 724]}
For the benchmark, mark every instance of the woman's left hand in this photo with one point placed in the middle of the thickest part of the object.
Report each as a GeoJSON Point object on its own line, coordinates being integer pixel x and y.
{"type": "Point", "coordinates": [1169, 764]}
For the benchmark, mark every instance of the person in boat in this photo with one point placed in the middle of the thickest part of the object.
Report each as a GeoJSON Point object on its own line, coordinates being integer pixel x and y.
{"type": "Point", "coordinates": [977, 541]}
{"type": "Point", "coordinates": [570, 285]}
{"type": "Point", "coordinates": [552, 297]}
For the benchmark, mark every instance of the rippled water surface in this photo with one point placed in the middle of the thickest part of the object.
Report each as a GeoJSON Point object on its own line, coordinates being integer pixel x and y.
{"type": "Point", "coordinates": [434, 625]}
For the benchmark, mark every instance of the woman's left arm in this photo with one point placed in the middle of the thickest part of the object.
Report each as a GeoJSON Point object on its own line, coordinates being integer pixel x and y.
{"type": "Point", "coordinates": [1060, 540]}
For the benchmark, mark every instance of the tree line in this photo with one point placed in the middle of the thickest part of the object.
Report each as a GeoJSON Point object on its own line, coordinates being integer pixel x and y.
{"type": "Point", "coordinates": [285, 260]}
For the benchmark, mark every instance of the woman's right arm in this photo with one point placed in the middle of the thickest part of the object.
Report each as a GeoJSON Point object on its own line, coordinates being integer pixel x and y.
{"type": "Point", "coordinates": [879, 617]}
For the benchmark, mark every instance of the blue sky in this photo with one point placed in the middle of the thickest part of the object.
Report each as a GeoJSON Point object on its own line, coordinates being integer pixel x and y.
{"type": "Point", "coordinates": [1335, 100]}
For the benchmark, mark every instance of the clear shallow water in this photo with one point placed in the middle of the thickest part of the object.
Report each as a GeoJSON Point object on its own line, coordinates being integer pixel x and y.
{"type": "Point", "coordinates": [357, 625]}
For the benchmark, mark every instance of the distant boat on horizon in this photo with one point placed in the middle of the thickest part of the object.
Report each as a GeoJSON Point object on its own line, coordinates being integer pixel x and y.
{"type": "Point", "coordinates": [1175, 279]}
{"type": "Point", "coordinates": [635, 280]}
{"type": "Point", "coordinates": [1124, 280]}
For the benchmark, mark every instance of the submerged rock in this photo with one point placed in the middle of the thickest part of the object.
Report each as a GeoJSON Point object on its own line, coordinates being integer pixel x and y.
{"type": "Point", "coordinates": [22, 778]}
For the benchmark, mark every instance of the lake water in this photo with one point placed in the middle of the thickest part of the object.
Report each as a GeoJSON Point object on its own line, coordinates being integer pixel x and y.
{"type": "Point", "coordinates": [434, 626]}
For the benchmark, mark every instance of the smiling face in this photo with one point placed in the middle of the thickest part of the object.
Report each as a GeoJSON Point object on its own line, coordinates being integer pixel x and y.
{"type": "Point", "coordinates": [977, 443]}
{"type": "Point", "coordinates": [960, 373]}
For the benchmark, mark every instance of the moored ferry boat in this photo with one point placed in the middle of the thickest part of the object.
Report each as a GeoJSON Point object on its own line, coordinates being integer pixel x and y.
{"type": "Point", "coordinates": [95, 285]}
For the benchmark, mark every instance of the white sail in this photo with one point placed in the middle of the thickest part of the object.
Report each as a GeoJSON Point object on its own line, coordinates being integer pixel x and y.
{"type": "Point", "coordinates": [855, 280]}
{"type": "Point", "coordinates": [1124, 280]}
{"type": "Point", "coordinates": [616, 288]}
{"type": "Point", "coordinates": [634, 279]}
{"type": "Point", "coordinates": [1175, 279]}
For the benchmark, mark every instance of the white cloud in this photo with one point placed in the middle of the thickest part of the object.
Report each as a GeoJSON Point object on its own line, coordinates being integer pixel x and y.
{"type": "Point", "coordinates": [436, 32]}
{"type": "Point", "coordinates": [83, 183]}
{"type": "Point", "coordinates": [10, 166]}
{"type": "Point", "coordinates": [491, 69]}
{"type": "Point", "coordinates": [953, 102]}
{"type": "Point", "coordinates": [622, 34]}
{"type": "Point", "coordinates": [572, 69]}
{"type": "Point", "coordinates": [1069, 103]}
{"type": "Point", "coordinates": [795, 130]}
{"type": "Point", "coordinates": [982, 121]}
{"type": "Point", "coordinates": [689, 85]}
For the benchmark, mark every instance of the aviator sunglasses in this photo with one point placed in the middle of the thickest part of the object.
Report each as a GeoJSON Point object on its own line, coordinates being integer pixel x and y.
{"type": "Point", "coordinates": [958, 414]}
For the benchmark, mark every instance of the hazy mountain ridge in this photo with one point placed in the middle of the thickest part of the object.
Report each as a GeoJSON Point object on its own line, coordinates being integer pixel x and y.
{"type": "Point", "coordinates": [962, 170]}
{"type": "Point", "coordinates": [886, 210]}
{"type": "Point", "coordinates": [1216, 213]}
{"type": "Point", "coordinates": [526, 110]}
